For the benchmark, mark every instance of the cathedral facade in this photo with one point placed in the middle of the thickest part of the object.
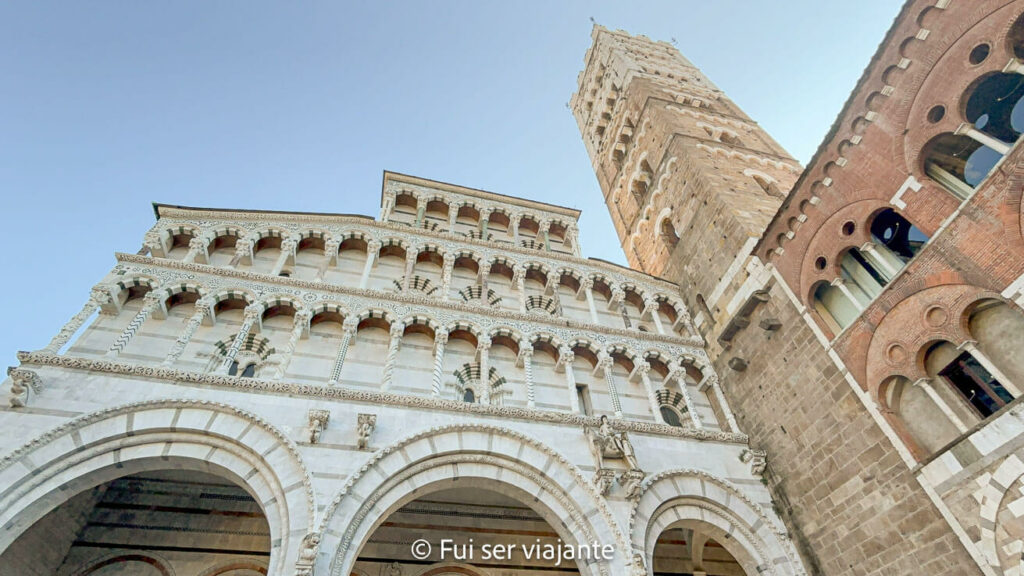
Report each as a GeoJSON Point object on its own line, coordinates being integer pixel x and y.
{"type": "Point", "coordinates": [447, 389]}
{"type": "Point", "coordinates": [864, 312]}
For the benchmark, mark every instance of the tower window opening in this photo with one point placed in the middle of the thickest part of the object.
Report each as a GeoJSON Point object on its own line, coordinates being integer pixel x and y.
{"type": "Point", "coordinates": [986, 394]}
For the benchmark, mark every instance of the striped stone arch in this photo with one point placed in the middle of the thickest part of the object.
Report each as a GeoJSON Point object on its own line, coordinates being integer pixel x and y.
{"type": "Point", "coordinates": [328, 306]}
{"type": "Point", "coordinates": [392, 243]}
{"type": "Point", "coordinates": [157, 435]}
{"type": "Point", "coordinates": [547, 337]}
{"type": "Point", "coordinates": [354, 233]}
{"type": "Point", "coordinates": [695, 498]}
{"type": "Point", "coordinates": [492, 259]}
{"type": "Point", "coordinates": [508, 332]}
{"type": "Point", "coordinates": [313, 233]}
{"type": "Point", "coordinates": [258, 345]}
{"type": "Point", "coordinates": [376, 314]}
{"type": "Point", "coordinates": [570, 272]}
{"type": "Point", "coordinates": [481, 456]}
{"type": "Point", "coordinates": [430, 247]}
{"type": "Point", "coordinates": [420, 320]}
{"type": "Point", "coordinates": [623, 351]}
{"type": "Point", "coordinates": [270, 232]}
{"type": "Point", "coordinates": [470, 327]}
{"type": "Point", "coordinates": [272, 300]}
{"type": "Point", "coordinates": [223, 230]}
{"type": "Point", "coordinates": [244, 294]}
{"type": "Point", "coordinates": [185, 229]}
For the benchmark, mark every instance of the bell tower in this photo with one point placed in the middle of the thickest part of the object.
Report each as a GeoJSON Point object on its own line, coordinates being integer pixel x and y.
{"type": "Point", "coordinates": [691, 182]}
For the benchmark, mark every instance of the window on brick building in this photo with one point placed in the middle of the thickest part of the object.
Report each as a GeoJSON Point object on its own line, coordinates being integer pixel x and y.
{"type": "Point", "coordinates": [986, 394]}
{"type": "Point", "coordinates": [834, 307]}
{"type": "Point", "coordinates": [900, 239]}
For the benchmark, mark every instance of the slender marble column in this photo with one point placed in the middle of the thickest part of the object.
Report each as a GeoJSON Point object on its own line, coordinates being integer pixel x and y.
{"type": "Point", "coordinates": [397, 330]}
{"type": "Point", "coordinates": [651, 307]}
{"type": "Point", "coordinates": [440, 340]}
{"type": "Point", "coordinates": [99, 296]}
{"type": "Point", "coordinates": [252, 315]}
{"type": "Point", "coordinates": [986, 363]}
{"type": "Point", "coordinates": [243, 252]}
{"type": "Point", "coordinates": [446, 275]}
{"type": "Point", "coordinates": [348, 330]}
{"type": "Point", "coordinates": [331, 248]}
{"type": "Point", "coordinates": [202, 310]}
{"type": "Point", "coordinates": [716, 388]}
{"type": "Point", "coordinates": [151, 301]}
{"type": "Point", "coordinates": [925, 384]}
{"type": "Point", "coordinates": [652, 398]}
{"type": "Point", "coordinates": [300, 325]}
{"type": "Point", "coordinates": [677, 373]}
{"type": "Point", "coordinates": [565, 358]}
{"type": "Point", "coordinates": [196, 247]}
{"type": "Point", "coordinates": [841, 284]}
{"type": "Point", "coordinates": [484, 347]}
{"type": "Point", "coordinates": [531, 393]}
{"type": "Point", "coordinates": [372, 249]}
{"type": "Point", "coordinates": [453, 215]}
{"type": "Point", "coordinates": [980, 137]}
{"type": "Point", "coordinates": [604, 364]}
{"type": "Point", "coordinates": [288, 246]}
{"type": "Point", "coordinates": [410, 267]}
{"type": "Point", "coordinates": [588, 290]}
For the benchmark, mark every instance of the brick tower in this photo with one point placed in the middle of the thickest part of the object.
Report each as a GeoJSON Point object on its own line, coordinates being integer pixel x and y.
{"type": "Point", "coordinates": [686, 175]}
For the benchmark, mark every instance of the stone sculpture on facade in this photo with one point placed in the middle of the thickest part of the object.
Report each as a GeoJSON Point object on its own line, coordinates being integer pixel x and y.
{"type": "Point", "coordinates": [607, 443]}
{"type": "Point", "coordinates": [317, 424]}
{"type": "Point", "coordinates": [364, 428]}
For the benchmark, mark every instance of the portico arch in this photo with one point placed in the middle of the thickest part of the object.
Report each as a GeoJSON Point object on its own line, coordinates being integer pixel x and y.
{"type": "Point", "coordinates": [472, 455]}
{"type": "Point", "coordinates": [697, 500]}
{"type": "Point", "coordinates": [157, 435]}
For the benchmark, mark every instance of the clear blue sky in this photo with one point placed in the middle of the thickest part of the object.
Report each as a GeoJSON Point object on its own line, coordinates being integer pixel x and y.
{"type": "Point", "coordinates": [106, 107]}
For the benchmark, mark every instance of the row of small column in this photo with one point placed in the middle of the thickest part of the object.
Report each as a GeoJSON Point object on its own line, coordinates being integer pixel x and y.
{"type": "Point", "coordinates": [543, 226]}
{"type": "Point", "coordinates": [971, 347]}
{"type": "Point", "coordinates": [100, 296]}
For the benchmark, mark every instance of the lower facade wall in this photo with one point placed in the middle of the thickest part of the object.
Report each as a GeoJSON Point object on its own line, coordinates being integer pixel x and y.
{"type": "Point", "coordinates": [856, 506]}
{"type": "Point", "coordinates": [323, 496]}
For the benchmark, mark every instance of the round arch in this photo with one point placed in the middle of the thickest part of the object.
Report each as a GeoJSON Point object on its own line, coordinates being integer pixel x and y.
{"type": "Point", "coordinates": [476, 455]}
{"type": "Point", "coordinates": [695, 498]}
{"type": "Point", "coordinates": [187, 434]}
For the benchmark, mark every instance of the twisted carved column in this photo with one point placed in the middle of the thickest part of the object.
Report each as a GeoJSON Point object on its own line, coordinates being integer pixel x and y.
{"type": "Point", "coordinates": [202, 310]}
{"type": "Point", "coordinates": [531, 399]}
{"type": "Point", "coordinates": [484, 347]}
{"type": "Point", "coordinates": [288, 246]}
{"type": "Point", "coordinates": [300, 324]}
{"type": "Point", "coordinates": [99, 296]}
{"type": "Point", "coordinates": [676, 372]}
{"type": "Point", "coordinates": [446, 275]}
{"type": "Point", "coordinates": [397, 330]}
{"type": "Point", "coordinates": [604, 364]}
{"type": "Point", "coordinates": [348, 330]}
{"type": "Point", "coordinates": [440, 339]}
{"type": "Point", "coordinates": [196, 246]}
{"type": "Point", "coordinates": [151, 301]}
{"type": "Point", "coordinates": [243, 251]}
{"type": "Point", "coordinates": [252, 315]}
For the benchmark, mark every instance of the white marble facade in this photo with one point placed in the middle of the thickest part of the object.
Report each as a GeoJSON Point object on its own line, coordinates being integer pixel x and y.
{"type": "Point", "coordinates": [330, 365]}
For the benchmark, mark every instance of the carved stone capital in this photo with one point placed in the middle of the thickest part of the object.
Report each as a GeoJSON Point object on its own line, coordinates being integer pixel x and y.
{"type": "Point", "coordinates": [365, 423]}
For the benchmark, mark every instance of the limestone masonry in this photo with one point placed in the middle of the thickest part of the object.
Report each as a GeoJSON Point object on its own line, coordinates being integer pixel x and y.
{"type": "Point", "coordinates": [808, 370]}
